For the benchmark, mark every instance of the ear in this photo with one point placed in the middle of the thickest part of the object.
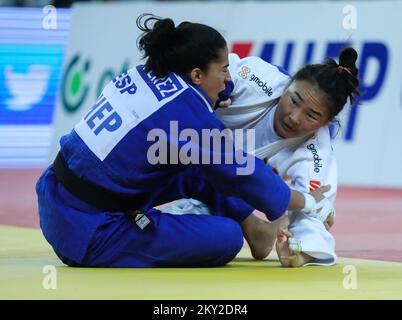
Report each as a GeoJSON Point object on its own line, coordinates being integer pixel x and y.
{"type": "Point", "coordinates": [196, 76]}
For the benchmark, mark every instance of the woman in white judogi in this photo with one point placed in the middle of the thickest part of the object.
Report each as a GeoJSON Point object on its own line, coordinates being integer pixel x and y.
{"type": "Point", "coordinates": [290, 116]}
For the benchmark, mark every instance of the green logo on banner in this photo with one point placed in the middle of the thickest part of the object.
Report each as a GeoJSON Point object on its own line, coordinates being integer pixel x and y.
{"type": "Point", "coordinates": [74, 90]}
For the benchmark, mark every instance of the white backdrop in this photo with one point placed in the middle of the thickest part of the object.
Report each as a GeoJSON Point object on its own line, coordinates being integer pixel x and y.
{"type": "Point", "coordinates": [102, 43]}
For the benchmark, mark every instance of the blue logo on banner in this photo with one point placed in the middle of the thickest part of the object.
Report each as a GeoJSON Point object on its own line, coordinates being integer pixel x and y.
{"type": "Point", "coordinates": [29, 76]}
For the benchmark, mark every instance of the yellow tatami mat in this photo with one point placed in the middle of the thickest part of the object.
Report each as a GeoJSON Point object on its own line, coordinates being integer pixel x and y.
{"type": "Point", "coordinates": [29, 269]}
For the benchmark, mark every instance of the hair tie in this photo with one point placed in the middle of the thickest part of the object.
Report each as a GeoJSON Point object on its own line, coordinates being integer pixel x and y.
{"type": "Point", "coordinates": [342, 68]}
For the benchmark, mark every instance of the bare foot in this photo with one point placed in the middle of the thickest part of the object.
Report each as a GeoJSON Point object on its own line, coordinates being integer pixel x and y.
{"type": "Point", "coordinates": [282, 247]}
{"type": "Point", "coordinates": [287, 256]}
{"type": "Point", "coordinates": [260, 235]}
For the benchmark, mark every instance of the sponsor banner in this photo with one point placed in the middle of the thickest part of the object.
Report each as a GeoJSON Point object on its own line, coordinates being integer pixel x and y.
{"type": "Point", "coordinates": [102, 45]}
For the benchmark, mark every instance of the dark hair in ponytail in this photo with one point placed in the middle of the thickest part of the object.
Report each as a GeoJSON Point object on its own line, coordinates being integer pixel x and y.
{"type": "Point", "coordinates": [339, 82]}
{"type": "Point", "coordinates": [180, 49]}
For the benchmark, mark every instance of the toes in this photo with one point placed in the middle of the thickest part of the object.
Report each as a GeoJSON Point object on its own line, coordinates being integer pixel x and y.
{"type": "Point", "coordinates": [284, 232]}
{"type": "Point", "coordinates": [295, 245]}
{"type": "Point", "coordinates": [287, 261]}
{"type": "Point", "coordinates": [281, 239]}
{"type": "Point", "coordinates": [291, 261]}
{"type": "Point", "coordinates": [281, 232]}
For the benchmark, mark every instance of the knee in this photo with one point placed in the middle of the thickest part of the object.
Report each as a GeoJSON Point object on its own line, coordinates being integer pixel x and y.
{"type": "Point", "coordinates": [235, 237]}
{"type": "Point", "coordinates": [69, 262]}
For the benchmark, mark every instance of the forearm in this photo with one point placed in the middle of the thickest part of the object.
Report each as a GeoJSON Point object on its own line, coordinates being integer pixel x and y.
{"type": "Point", "coordinates": [262, 189]}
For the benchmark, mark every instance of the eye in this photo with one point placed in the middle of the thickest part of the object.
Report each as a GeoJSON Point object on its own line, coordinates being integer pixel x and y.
{"type": "Point", "coordinates": [311, 116]}
{"type": "Point", "coordinates": [293, 100]}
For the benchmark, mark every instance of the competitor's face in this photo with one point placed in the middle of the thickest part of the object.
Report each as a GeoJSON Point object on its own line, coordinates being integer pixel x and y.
{"type": "Point", "coordinates": [302, 110]}
{"type": "Point", "coordinates": [212, 81]}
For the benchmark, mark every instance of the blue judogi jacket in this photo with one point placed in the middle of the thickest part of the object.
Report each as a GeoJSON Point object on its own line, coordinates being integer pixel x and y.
{"type": "Point", "coordinates": [135, 139]}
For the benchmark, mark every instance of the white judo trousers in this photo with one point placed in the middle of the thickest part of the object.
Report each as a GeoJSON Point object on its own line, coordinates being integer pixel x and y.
{"type": "Point", "coordinates": [307, 162]}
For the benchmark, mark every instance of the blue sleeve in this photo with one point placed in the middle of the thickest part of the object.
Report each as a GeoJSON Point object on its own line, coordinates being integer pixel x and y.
{"type": "Point", "coordinates": [225, 93]}
{"type": "Point", "coordinates": [249, 180]}
{"type": "Point", "coordinates": [262, 188]}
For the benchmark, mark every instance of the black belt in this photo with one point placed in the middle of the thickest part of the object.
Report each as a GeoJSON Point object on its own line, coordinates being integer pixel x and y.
{"type": "Point", "coordinates": [94, 195]}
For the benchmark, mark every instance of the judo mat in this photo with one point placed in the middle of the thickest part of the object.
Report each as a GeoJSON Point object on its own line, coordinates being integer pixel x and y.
{"type": "Point", "coordinates": [368, 226]}
{"type": "Point", "coordinates": [25, 258]}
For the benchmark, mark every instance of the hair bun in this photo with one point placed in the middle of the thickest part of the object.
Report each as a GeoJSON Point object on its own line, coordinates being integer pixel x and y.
{"type": "Point", "coordinates": [178, 49]}
{"type": "Point", "coordinates": [348, 58]}
{"type": "Point", "coordinates": [158, 33]}
{"type": "Point", "coordinates": [163, 30]}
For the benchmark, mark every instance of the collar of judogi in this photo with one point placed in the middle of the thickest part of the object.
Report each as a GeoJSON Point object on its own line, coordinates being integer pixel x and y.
{"type": "Point", "coordinates": [197, 89]}
{"type": "Point", "coordinates": [203, 96]}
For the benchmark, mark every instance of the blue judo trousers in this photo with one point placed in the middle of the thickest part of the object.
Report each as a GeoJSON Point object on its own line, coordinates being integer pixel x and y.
{"type": "Point", "coordinates": [112, 147]}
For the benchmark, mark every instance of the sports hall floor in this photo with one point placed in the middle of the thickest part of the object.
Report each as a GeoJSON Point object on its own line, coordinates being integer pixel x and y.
{"type": "Point", "coordinates": [368, 232]}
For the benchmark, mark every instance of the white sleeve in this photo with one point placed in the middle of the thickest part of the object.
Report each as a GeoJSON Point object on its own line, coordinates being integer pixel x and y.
{"type": "Point", "coordinates": [314, 165]}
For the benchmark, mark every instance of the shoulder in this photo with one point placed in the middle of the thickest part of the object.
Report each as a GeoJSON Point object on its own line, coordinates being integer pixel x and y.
{"type": "Point", "coordinates": [311, 164]}
{"type": "Point", "coordinates": [246, 67]}
{"type": "Point", "coordinates": [137, 84]}
{"type": "Point", "coordinates": [260, 78]}
{"type": "Point", "coordinates": [315, 149]}
{"type": "Point", "coordinates": [256, 64]}
{"type": "Point", "coordinates": [320, 142]}
{"type": "Point", "coordinates": [316, 155]}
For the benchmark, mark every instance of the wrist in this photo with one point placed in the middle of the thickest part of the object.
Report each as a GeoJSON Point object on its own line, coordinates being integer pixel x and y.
{"type": "Point", "coordinates": [309, 203]}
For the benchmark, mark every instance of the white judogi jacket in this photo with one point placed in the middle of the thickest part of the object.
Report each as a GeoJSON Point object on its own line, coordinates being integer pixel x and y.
{"type": "Point", "coordinates": [308, 163]}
